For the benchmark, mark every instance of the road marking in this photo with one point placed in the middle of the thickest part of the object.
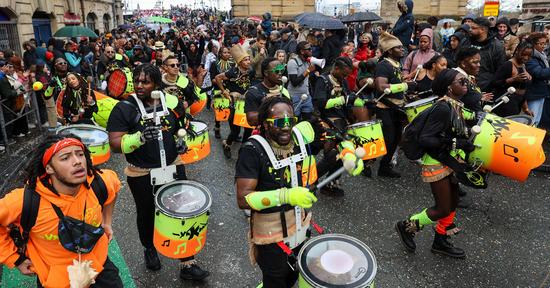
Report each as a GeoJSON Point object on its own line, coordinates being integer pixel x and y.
{"type": "Point", "coordinates": [12, 278]}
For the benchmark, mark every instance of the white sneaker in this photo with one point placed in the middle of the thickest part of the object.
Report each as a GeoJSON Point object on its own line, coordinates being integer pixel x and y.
{"type": "Point", "coordinates": [20, 135]}
{"type": "Point", "coordinates": [2, 148]}
{"type": "Point", "coordinates": [246, 212]}
{"type": "Point", "coordinates": [45, 125]}
{"type": "Point", "coordinates": [32, 125]}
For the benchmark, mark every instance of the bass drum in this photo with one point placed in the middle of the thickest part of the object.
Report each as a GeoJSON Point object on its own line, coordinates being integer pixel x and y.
{"type": "Point", "coordinates": [414, 108]}
{"type": "Point", "coordinates": [199, 105]}
{"type": "Point", "coordinates": [368, 135]}
{"type": "Point", "coordinates": [94, 137]}
{"type": "Point", "coordinates": [198, 147]}
{"type": "Point", "coordinates": [105, 105]}
{"type": "Point", "coordinates": [336, 261]}
{"type": "Point", "coordinates": [181, 218]}
{"type": "Point", "coordinates": [240, 116]}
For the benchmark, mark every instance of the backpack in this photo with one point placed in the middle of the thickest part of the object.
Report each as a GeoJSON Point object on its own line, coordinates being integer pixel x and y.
{"type": "Point", "coordinates": [31, 203]}
{"type": "Point", "coordinates": [409, 140]}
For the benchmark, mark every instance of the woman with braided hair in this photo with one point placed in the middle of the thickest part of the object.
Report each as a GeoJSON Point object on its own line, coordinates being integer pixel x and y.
{"type": "Point", "coordinates": [445, 139]}
{"type": "Point", "coordinates": [61, 176]}
{"type": "Point", "coordinates": [79, 102]}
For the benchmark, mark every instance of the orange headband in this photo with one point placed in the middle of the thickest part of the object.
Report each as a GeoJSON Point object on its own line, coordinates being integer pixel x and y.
{"type": "Point", "coordinates": [63, 143]}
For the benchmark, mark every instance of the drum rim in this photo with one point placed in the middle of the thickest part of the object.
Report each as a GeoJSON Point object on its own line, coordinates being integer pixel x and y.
{"type": "Point", "coordinates": [308, 276]}
{"type": "Point", "coordinates": [409, 105]}
{"type": "Point", "coordinates": [360, 124]}
{"type": "Point", "coordinates": [522, 116]}
{"type": "Point", "coordinates": [125, 86]}
{"type": "Point", "coordinates": [59, 130]}
{"type": "Point", "coordinates": [200, 121]}
{"type": "Point", "coordinates": [200, 211]}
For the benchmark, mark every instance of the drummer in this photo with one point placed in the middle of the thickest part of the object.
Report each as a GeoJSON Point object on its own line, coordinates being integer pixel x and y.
{"type": "Point", "coordinates": [469, 63]}
{"type": "Point", "coordinates": [221, 66]}
{"type": "Point", "coordinates": [56, 85]}
{"type": "Point", "coordinates": [272, 71]}
{"type": "Point", "coordinates": [175, 83]}
{"type": "Point", "coordinates": [276, 196]}
{"type": "Point", "coordinates": [443, 137]}
{"type": "Point", "coordinates": [79, 102]}
{"type": "Point", "coordinates": [430, 70]}
{"type": "Point", "coordinates": [137, 140]}
{"type": "Point", "coordinates": [109, 61]}
{"type": "Point", "coordinates": [236, 79]}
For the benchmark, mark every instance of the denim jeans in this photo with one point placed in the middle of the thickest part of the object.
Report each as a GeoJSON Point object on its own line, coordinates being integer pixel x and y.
{"type": "Point", "coordinates": [536, 106]}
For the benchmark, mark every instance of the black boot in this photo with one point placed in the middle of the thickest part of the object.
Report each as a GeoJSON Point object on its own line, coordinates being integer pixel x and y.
{"type": "Point", "coordinates": [193, 272]}
{"type": "Point", "coordinates": [441, 245]}
{"type": "Point", "coordinates": [152, 261]}
{"type": "Point", "coordinates": [217, 133]}
{"type": "Point", "coordinates": [388, 172]}
{"type": "Point", "coordinates": [406, 230]}
{"type": "Point", "coordinates": [226, 149]}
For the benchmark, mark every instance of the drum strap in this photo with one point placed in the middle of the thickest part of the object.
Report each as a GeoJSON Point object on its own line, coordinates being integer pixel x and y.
{"type": "Point", "coordinates": [143, 112]}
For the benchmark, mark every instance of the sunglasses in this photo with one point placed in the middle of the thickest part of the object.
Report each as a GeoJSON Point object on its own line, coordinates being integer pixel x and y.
{"type": "Point", "coordinates": [174, 65]}
{"type": "Point", "coordinates": [462, 81]}
{"type": "Point", "coordinates": [61, 63]}
{"type": "Point", "coordinates": [307, 49]}
{"type": "Point", "coordinates": [283, 122]}
{"type": "Point", "coordinates": [279, 69]}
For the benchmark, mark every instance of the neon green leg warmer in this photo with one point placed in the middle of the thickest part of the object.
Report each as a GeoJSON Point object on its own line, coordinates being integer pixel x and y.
{"type": "Point", "coordinates": [422, 218]}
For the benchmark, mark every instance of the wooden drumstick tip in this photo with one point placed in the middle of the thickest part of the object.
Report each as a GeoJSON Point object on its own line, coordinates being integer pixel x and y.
{"type": "Point", "coordinates": [349, 165]}
{"type": "Point", "coordinates": [303, 97]}
{"type": "Point", "coordinates": [284, 79]}
{"type": "Point", "coordinates": [476, 129]}
{"type": "Point", "coordinates": [182, 133]}
{"type": "Point", "coordinates": [360, 152]}
{"type": "Point", "coordinates": [369, 81]}
{"type": "Point", "coordinates": [387, 91]}
{"type": "Point", "coordinates": [156, 94]}
{"type": "Point", "coordinates": [487, 108]}
{"type": "Point", "coordinates": [511, 90]}
{"type": "Point", "coordinates": [506, 99]}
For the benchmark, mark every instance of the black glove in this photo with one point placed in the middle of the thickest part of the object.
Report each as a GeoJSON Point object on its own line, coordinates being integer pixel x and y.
{"type": "Point", "coordinates": [181, 146]}
{"type": "Point", "coordinates": [465, 145]}
{"type": "Point", "coordinates": [150, 133]}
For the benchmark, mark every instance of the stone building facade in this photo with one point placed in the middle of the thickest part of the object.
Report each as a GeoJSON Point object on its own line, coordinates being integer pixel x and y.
{"type": "Point", "coordinates": [21, 20]}
{"type": "Point", "coordinates": [425, 8]}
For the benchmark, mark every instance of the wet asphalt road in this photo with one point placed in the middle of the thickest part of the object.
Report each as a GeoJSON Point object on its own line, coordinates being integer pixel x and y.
{"type": "Point", "coordinates": [505, 232]}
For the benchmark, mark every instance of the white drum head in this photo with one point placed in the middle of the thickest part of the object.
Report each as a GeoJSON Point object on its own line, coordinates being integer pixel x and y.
{"type": "Point", "coordinates": [421, 102]}
{"type": "Point", "coordinates": [199, 126]}
{"type": "Point", "coordinates": [91, 135]}
{"type": "Point", "coordinates": [183, 199]}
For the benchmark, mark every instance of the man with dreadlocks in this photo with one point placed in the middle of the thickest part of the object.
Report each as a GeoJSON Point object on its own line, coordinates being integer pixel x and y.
{"type": "Point", "coordinates": [273, 173]}
{"type": "Point", "coordinates": [133, 133]}
{"type": "Point", "coordinates": [60, 175]}
{"type": "Point", "coordinates": [56, 85]}
{"type": "Point", "coordinates": [78, 102]}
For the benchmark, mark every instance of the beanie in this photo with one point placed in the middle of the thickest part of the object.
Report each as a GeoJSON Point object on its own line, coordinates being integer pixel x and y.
{"type": "Point", "coordinates": [388, 41]}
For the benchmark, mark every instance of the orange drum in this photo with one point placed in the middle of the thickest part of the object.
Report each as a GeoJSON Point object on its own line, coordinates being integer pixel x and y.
{"type": "Point", "coordinates": [94, 137]}
{"type": "Point", "coordinates": [199, 147]}
{"type": "Point", "coordinates": [240, 115]}
{"type": "Point", "coordinates": [507, 147]}
{"type": "Point", "coordinates": [221, 108]}
{"type": "Point", "coordinates": [369, 135]}
{"type": "Point", "coordinates": [120, 83]}
{"type": "Point", "coordinates": [199, 105]}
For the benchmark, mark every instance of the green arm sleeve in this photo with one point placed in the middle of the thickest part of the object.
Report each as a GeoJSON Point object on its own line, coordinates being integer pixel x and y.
{"type": "Point", "coordinates": [130, 142]}
{"type": "Point", "coordinates": [48, 93]}
{"type": "Point", "coordinates": [260, 200]}
{"type": "Point", "coordinates": [397, 88]}
{"type": "Point", "coordinates": [335, 102]}
{"type": "Point", "coordinates": [358, 102]}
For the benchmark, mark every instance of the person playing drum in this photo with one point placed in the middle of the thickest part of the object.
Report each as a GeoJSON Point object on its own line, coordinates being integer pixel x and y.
{"type": "Point", "coordinates": [272, 70]}
{"type": "Point", "coordinates": [56, 85]}
{"type": "Point", "coordinates": [109, 61]}
{"type": "Point", "coordinates": [221, 66]}
{"type": "Point", "coordinates": [175, 83]}
{"type": "Point", "coordinates": [131, 133]}
{"type": "Point", "coordinates": [277, 197]}
{"type": "Point", "coordinates": [444, 137]}
{"type": "Point", "coordinates": [78, 101]}
{"type": "Point", "coordinates": [330, 101]}
{"type": "Point", "coordinates": [237, 79]}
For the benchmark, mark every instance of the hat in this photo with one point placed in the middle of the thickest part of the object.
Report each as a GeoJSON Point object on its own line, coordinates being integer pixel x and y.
{"type": "Point", "coordinates": [470, 16]}
{"type": "Point", "coordinates": [367, 35]}
{"type": "Point", "coordinates": [464, 27]}
{"type": "Point", "coordinates": [159, 45]}
{"type": "Point", "coordinates": [388, 41]}
{"type": "Point", "coordinates": [138, 47]}
{"type": "Point", "coordinates": [514, 21]}
{"type": "Point", "coordinates": [285, 30]}
{"type": "Point", "coordinates": [504, 21]}
{"type": "Point", "coordinates": [2, 63]}
{"type": "Point", "coordinates": [482, 21]}
{"type": "Point", "coordinates": [238, 53]}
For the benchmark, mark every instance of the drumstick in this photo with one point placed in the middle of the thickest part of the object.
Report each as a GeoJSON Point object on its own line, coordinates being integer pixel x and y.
{"type": "Point", "coordinates": [503, 99]}
{"type": "Point", "coordinates": [387, 91]}
{"type": "Point", "coordinates": [347, 166]}
{"type": "Point", "coordinates": [302, 99]}
{"type": "Point", "coordinates": [418, 69]}
{"type": "Point", "coordinates": [156, 95]}
{"type": "Point", "coordinates": [509, 91]}
{"type": "Point", "coordinates": [369, 82]}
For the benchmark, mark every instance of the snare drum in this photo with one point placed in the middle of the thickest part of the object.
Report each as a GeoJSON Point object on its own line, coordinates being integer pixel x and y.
{"type": "Point", "coordinates": [240, 117]}
{"type": "Point", "coordinates": [105, 105]}
{"type": "Point", "coordinates": [507, 147]}
{"type": "Point", "coordinates": [181, 218]}
{"type": "Point", "coordinates": [413, 109]}
{"type": "Point", "coordinates": [94, 137]}
{"type": "Point", "coordinates": [336, 260]}
{"type": "Point", "coordinates": [199, 147]}
{"type": "Point", "coordinates": [369, 135]}
{"type": "Point", "coordinates": [120, 83]}
{"type": "Point", "coordinates": [523, 119]}
{"type": "Point", "coordinates": [221, 108]}
{"type": "Point", "coordinates": [197, 107]}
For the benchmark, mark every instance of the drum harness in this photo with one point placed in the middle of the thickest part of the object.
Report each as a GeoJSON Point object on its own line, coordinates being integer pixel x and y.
{"type": "Point", "coordinates": [302, 233]}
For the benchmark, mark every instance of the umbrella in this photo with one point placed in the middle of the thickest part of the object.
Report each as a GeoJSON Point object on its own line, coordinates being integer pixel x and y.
{"type": "Point", "coordinates": [125, 26]}
{"type": "Point", "coordinates": [361, 17]}
{"type": "Point", "coordinates": [156, 27]}
{"type": "Point", "coordinates": [254, 19]}
{"type": "Point", "coordinates": [446, 20]}
{"type": "Point", "coordinates": [158, 19]}
{"type": "Point", "coordinates": [319, 21]}
{"type": "Point", "coordinates": [75, 31]}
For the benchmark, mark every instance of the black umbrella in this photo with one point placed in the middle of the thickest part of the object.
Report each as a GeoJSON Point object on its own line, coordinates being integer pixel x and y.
{"type": "Point", "coordinates": [361, 17]}
{"type": "Point", "coordinates": [124, 26]}
{"type": "Point", "coordinates": [319, 21]}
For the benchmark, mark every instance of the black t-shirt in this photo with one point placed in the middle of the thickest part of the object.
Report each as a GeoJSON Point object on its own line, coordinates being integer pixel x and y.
{"type": "Point", "coordinates": [254, 97]}
{"type": "Point", "coordinates": [386, 70]}
{"type": "Point", "coordinates": [323, 92]}
{"type": "Point", "coordinates": [125, 117]}
{"type": "Point", "coordinates": [472, 98]}
{"type": "Point", "coordinates": [185, 94]}
{"type": "Point", "coordinates": [238, 82]}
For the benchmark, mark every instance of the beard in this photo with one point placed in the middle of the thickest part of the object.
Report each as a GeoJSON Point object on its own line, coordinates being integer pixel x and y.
{"type": "Point", "coordinates": [65, 181]}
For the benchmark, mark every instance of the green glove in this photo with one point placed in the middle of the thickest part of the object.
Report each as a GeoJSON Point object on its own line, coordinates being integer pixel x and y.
{"type": "Point", "coordinates": [358, 102]}
{"type": "Point", "coordinates": [49, 92]}
{"type": "Point", "coordinates": [130, 142]}
{"type": "Point", "coordinates": [297, 196]}
{"type": "Point", "coordinates": [398, 88]}
{"type": "Point", "coordinates": [357, 168]}
{"type": "Point", "coordinates": [335, 102]}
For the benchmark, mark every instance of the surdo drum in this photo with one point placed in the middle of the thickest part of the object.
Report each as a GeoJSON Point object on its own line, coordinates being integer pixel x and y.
{"type": "Point", "coordinates": [94, 137]}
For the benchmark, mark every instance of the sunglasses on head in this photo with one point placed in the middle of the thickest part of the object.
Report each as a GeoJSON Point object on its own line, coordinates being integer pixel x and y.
{"type": "Point", "coordinates": [279, 69]}
{"type": "Point", "coordinates": [283, 122]}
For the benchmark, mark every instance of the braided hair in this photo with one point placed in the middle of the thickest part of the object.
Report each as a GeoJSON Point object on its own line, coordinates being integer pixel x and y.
{"type": "Point", "coordinates": [35, 169]}
{"type": "Point", "coordinates": [69, 99]}
{"type": "Point", "coordinates": [265, 109]}
{"type": "Point", "coordinates": [149, 70]}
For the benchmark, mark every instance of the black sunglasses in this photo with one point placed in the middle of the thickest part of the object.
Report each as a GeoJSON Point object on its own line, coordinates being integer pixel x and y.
{"type": "Point", "coordinates": [174, 65]}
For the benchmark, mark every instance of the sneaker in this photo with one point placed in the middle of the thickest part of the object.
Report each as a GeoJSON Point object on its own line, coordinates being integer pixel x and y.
{"type": "Point", "coordinates": [2, 148]}
{"type": "Point", "coordinates": [193, 272]}
{"type": "Point", "coordinates": [152, 261]}
{"type": "Point", "coordinates": [20, 135]}
{"type": "Point", "coordinates": [246, 212]}
{"type": "Point", "coordinates": [32, 125]}
{"type": "Point", "coordinates": [406, 230]}
{"type": "Point", "coordinates": [388, 173]}
{"type": "Point", "coordinates": [226, 149]}
{"type": "Point", "coordinates": [46, 125]}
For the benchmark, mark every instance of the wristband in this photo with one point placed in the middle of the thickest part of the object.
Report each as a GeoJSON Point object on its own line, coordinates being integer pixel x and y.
{"type": "Point", "coordinates": [335, 102]}
{"type": "Point", "coordinates": [346, 147]}
{"type": "Point", "coordinates": [130, 142]}
{"type": "Point", "coordinates": [398, 88]}
{"type": "Point", "coordinates": [260, 200]}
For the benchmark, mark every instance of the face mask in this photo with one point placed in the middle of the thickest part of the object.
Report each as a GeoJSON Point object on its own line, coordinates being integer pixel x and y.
{"type": "Point", "coordinates": [76, 235]}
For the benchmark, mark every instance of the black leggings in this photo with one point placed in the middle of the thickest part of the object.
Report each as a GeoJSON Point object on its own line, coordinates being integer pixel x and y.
{"type": "Point", "coordinates": [392, 127]}
{"type": "Point", "coordinates": [445, 192]}
{"type": "Point", "coordinates": [273, 262]}
{"type": "Point", "coordinates": [108, 278]}
{"type": "Point", "coordinates": [236, 130]}
{"type": "Point", "coordinates": [329, 164]}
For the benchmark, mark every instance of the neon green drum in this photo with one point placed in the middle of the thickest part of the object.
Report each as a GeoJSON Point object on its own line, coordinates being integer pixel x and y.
{"type": "Point", "coordinates": [181, 218]}
{"type": "Point", "coordinates": [94, 137]}
{"type": "Point", "coordinates": [104, 107]}
{"type": "Point", "coordinates": [414, 108]}
{"type": "Point", "coordinates": [368, 135]}
{"type": "Point", "coordinates": [199, 147]}
{"type": "Point", "coordinates": [338, 261]}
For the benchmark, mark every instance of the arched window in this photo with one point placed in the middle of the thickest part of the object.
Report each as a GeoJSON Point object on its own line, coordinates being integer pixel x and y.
{"type": "Point", "coordinates": [90, 21]}
{"type": "Point", "coordinates": [107, 22]}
